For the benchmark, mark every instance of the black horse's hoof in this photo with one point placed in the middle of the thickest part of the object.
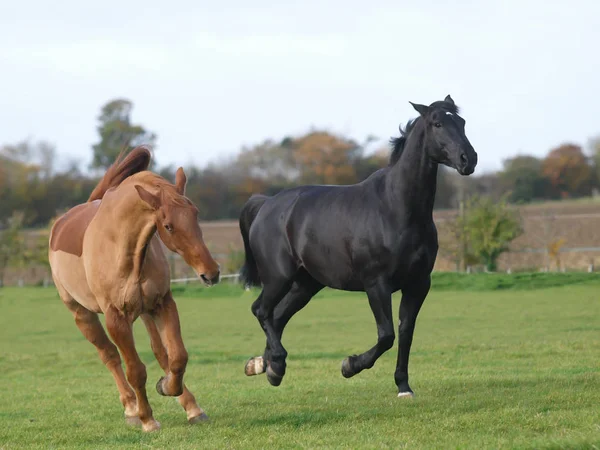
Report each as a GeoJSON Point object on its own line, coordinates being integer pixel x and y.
{"type": "Point", "coordinates": [255, 366]}
{"type": "Point", "coordinates": [273, 378]}
{"type": "Point", "coordinates": [159, 386]}
{"type": "Point", "coordinates": [347, 370]}
{"type": "Point", "coordinates": [407, 394]}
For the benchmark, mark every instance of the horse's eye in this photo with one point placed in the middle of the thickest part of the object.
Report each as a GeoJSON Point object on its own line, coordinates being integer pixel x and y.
{"type": "Point", "coordinates": [437, 124]}
{"type": "Point", "coordinates": [169, 227]}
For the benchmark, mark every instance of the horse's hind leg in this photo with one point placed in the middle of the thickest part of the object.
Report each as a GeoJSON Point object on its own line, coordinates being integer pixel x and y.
{"type": "Point", "coordinates": [120, 328]}
{"type": "Point", "coordinates": [272, 293]}
{"type": "Point", "coordinates": [90, 326]}
{"type": "Point", "coordinates": [380, 300]}
{"type": "Point", "coordinates": [195, 414]}
{"type": "Point", "coordinates": [297, 298]}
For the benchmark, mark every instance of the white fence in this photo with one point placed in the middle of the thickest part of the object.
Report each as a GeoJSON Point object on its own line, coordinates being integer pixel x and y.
{"type": "Point", "coordinates": [233, 276]}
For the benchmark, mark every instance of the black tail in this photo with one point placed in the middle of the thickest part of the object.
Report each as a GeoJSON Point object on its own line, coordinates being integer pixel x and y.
{"type": "Point", "coordinates": [249, 271]}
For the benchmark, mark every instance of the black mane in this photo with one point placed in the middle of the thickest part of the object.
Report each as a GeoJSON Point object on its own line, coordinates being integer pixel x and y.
{"type": "Point", "coordinates": [399, 142]}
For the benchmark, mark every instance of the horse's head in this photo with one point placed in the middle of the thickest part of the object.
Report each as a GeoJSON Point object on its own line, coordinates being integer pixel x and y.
{"type": "Point", "coordinates": [176, 219]}
{"type": "Point", "coordinates": [445, 134]}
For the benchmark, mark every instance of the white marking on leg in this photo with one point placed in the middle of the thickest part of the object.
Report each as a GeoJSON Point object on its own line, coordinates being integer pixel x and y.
{"type": "Point", "coordinates": [405, 394]}
{"type": "Point", "coordinates": [150, 426]}
{"type": "Point", "coordinates": [259, 365]}
{"type": "Point", "coordinates": [131, 411]}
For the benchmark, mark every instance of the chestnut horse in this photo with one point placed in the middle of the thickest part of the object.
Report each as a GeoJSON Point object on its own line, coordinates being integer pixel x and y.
{"type": "Point", "coordinates": [106, 257]}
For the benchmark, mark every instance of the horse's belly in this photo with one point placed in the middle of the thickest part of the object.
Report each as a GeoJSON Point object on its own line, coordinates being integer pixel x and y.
{"type": "Point", "coordinates": [70, 273]}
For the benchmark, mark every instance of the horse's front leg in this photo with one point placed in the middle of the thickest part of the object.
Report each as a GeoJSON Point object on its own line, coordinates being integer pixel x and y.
{"type": "Point", "coordinates": [412, 300]}
{"type": "Point", "coordinates": [120, 328]}
{"type": "Point", "coordinates": [166, 318]}
{"type": "Point", "coordinates": [195, 414]}
{"type": "Point", "coordinates": [380, 300]}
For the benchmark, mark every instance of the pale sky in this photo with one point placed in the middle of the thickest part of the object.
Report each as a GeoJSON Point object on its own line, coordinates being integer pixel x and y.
{"type": "Point", "coordinates": [209, 77]}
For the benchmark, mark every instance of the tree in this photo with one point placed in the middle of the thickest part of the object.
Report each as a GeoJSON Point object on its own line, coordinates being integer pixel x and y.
{"type": "Point", "coordinates": [568, 171]}
{"type": "Point", "coordinates": [488, 228]}
{"type": "Point", "coordinates": [366, 165]}
{"type": "Point", "coordinates": [117, 133]}
{"type": "Point", "coordinates": [11, 243]}
{"type": "Point", "coordinates": [270, 161]}
{"type": "Point", "coordinates": [324, 158]}
{"type": "Point", "coordinates": [594, 145]}
{"type": "Point", "coordinates": [24, 174]}
{"type": "Point", "coordinates": [522, 177]}
{"type": "Point", "coordinates": [446, 196]}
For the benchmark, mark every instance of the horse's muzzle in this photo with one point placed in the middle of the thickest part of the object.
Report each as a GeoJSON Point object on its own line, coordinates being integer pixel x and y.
{"type": "Point", "coordinates": [209, 281]}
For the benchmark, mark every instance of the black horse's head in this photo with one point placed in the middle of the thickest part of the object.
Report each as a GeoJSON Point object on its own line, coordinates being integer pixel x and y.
{"type": "Point", "coordinates": [445, 134]}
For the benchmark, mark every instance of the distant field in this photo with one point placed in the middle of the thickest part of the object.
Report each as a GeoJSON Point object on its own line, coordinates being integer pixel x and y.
{"type": "Point", "coordinates": [575, 221]}
{"type": "Point", "coordinates": [502, 368]}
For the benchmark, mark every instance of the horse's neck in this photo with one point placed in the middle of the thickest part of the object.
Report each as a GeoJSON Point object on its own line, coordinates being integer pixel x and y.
{"type": "Point", "coordinates": [133, 226]}
{"type": "Point", "coordinates": [412, 181]}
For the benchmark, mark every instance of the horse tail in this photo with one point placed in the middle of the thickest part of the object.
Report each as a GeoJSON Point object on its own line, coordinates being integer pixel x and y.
{"type": "Point", "coordinates": [136, 161]}
{"type": "Point", "coordinates": [249, 271]}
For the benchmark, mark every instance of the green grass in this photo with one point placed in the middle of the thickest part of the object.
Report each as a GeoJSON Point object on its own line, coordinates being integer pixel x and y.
{"type": "Point", "coordinates": [491, 369]}
{"type": "Point", "coordinates": [451, 281]}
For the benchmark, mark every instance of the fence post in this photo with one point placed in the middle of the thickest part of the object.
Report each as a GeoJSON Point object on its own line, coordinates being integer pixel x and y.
{"type": "Point", "coordinates": [463, 241]}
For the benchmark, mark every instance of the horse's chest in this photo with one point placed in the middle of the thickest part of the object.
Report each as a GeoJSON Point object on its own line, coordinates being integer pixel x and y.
{"type": "Point", "coordinates": [414, 257]}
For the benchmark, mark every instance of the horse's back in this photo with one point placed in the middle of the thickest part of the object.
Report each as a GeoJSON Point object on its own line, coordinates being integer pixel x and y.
{"type": "Point", "coordinates": [68, 231]}
{"type": "Point", "coordinates": [315, 227]}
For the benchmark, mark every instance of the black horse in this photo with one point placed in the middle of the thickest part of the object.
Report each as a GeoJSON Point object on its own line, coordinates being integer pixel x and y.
{"type": "Point", "coordinates": [377, 236]}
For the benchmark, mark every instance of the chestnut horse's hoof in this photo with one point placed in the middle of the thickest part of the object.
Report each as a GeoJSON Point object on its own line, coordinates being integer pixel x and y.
{"type": "Point", "coordinates": [133, 421]}
{"type": "Point", "coordinates": [202, 418]}
{"type": "Point", "coordinates": [150, 426]}
{"type": "Point", "coordinates": [273, 378]}
{"type": "Point", "coordinates": [255, 366]}
{"type": "Point", "coordinates": [159, 387]}
{"type": "Point", "coordinates": [347, 370]}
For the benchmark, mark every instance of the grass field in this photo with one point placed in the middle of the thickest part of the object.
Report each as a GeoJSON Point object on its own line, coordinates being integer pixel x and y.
{"type": "Point", "coordinates": [507, 368]}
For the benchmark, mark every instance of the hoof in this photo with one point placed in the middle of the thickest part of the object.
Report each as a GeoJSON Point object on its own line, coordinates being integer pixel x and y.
{"type": "Point", "coordinates": [408, 394]}
{"type": "Point", "coordinates": [347, 371]}
{"type": "Point", "coordinates": [151, 426]}
{"type": "Point", "coordinates": [273, 378]}
{"type": "Point", "coordinates": [159, 386]}
{"type": "Point", "coordinates": [255, 366]}
{"type": "Point", "coordinates": [202, 418]}
{"type": "Point", "coordinates": [133, 421]}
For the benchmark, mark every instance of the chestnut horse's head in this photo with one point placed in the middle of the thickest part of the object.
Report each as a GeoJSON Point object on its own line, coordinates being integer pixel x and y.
{"type": "Point", "coordinates": [176, 219]}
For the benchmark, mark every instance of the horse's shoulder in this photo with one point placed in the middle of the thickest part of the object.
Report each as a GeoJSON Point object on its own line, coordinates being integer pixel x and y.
{"type": "Point", "coordinates": [68, 231]}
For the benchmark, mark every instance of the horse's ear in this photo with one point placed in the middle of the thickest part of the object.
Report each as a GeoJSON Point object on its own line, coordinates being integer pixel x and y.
{"type": "Point", "coordinates": [449, 99]}
{"type": "Point", "coordinates": [152, 200]}
{"type": "Point", "coordinates": [180, 181]}
{"type": "Point", "coordinates": [421, 109]}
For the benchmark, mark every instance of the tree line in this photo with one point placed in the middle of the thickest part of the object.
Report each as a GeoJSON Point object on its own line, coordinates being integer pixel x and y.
{"type": "Point", "coordinates": [31, 184]}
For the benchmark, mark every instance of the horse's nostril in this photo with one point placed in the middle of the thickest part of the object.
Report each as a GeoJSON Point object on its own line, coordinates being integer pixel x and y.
{"type": "Point", "coordinates": [463, 159]}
